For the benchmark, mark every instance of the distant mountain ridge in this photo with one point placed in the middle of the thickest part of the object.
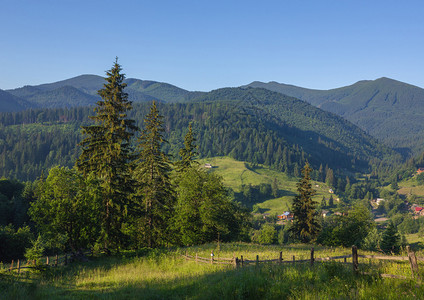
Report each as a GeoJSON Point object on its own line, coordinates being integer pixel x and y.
{"type": "Point", "coordinates": [248, 124]}
{"type": "Point", "coordinates": [82, 91]}
{"type": "Point", "coordinates": [10, 102]}
{"type": "Point", "coordinates": [389, 110]}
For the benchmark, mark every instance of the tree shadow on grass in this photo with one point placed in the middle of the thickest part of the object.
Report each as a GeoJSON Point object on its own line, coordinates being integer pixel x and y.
{"type": "Point", "coordinates": [266, 281]}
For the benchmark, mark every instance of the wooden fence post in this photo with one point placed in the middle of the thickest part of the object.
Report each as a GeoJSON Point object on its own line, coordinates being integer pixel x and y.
{"type": "Point", "coordinates": [257, 259]}
{"type": "Point", "coordinates": [355, 258]}
{"type": "Point", "coordinates": [196, 257]}
{"type": "Point", "coordinates": [11, 266]}
{"type": "Point", "coordinates": [413, 262]}
{"type": "Point", "coordinates": [57, 258]}
{"type": "Point", "coordinates": [345, 261]}
{"type": "Point", "coordinates": [294, 259]}
{"type": "Point", "coordinates": [19, 266]}
{"type": "Point", "coordinates": [47, 260]}
{"type": "Point", "coordinates": [241, 258]}
{"type": "Point", "coordinates": [280, 259]}
{"type": "Point", "coordinates": [236, 262]}
{"type": "Point", "coordinates": [312, 256]}
{"type": "Point", "coordinates": [212, 255]}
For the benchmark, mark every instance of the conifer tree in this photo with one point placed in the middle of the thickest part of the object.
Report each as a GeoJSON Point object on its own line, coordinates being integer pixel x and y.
{"type": "Point", "coordinates": [188, 152]}
{"type": "Point", "coordinates": [390, 240]}
{"type": "Point", "coordinates": [152, 173]}
{"type": "Point", "coordinates": [106, 153]}
{"type": "Point", "coordinates": [305, 220]}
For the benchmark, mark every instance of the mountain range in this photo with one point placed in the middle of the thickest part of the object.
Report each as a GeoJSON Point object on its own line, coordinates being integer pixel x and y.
{"type": "Point", "coordinates": [389, 110]}
{"type": "Point", "coordinates": [248, 124]}
{"type": "Point", "coordinates": [82, 91]}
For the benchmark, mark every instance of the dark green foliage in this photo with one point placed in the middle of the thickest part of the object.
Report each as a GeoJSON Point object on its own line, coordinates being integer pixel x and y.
{"type": "Point", "coordinates": [106, 153]}
{"type": "Point", "coordinates": [188, 152]}
{"type": "Point", "coordinates": [154, 193]}
{"type": "Point", "coordinates": [347, 230]}
{"type": "Point", "coordinates": [420, 178]}
{"type": "Point", "coordinates": [204, 211]}
{"type": "Point", "coordinates": [323, 202]}
{"type": "Point", "coordinates": [329, 178]}
{"type": "Point", "coordinates": [390, 240]}
{"type": "Point", "coordinates": [305, 225]}
{"type": "Point", "coordinates": [14, 202]}
{"type": "Point", "coordinates": [66, 210]}
{"type": "Point", "coordinates": [331, 201]}
{"type": "Point", "coordinates": [251, 194]}
{"type": "Point", "coordinates": [14, 242]}
{"type": "Point", "coordinates": [266, 235]}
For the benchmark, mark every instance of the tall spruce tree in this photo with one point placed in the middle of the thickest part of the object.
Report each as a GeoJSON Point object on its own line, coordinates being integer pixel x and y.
{"type": "Point", "coordinates": [188, 152]}
{"type": "Point", "coordinates": [106, 153]}
{"type": "Point", "coordinates": [305, 220]}
{"type": "Point", "coordinates": [152, 172]}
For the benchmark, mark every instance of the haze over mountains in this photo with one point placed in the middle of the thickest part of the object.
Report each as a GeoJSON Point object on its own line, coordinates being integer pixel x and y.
{"type": "Point", "coordinates": [389, 110]}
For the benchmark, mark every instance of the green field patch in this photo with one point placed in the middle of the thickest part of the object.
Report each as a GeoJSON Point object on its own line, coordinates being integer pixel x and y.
{"type": "Point", "coordinates": [236, 173]}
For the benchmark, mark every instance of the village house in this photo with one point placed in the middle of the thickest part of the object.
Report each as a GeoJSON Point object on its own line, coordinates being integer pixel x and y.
{"type": "Point", "coordinates": [208, 166]}
{"type": "Point", "coordinates": [376, 202]}
{"type": "Point", "coordinates": [420, 170]}
{"type": "Point", "coordinates": [286, 216]}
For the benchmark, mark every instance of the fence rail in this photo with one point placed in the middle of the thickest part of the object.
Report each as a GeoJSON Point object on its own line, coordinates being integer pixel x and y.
{"type": "Point", "coordinates": [240, 262]}
{"type": "Point", "coordinates": [34, 264]}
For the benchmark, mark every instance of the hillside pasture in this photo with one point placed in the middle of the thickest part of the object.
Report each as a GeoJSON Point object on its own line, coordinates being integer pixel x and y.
{"type": "Point", "coordinates": [236, 173]}
{"type": "Point", "coordinates": [166, 275]}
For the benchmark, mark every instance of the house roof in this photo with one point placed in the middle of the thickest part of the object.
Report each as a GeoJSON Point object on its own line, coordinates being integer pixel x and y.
{"type": "Point", "coordinates": [418, 208]}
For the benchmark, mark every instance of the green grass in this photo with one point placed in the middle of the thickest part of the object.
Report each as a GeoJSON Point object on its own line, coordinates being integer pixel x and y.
{"type": "Point", "coordinates": [236, 173]}
{"type": "Point", "coordinates": [165, 275]}
{"type": "Point", "coordinates": [411, 187]}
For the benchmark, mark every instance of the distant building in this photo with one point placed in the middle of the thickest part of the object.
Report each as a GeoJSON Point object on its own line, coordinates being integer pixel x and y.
{"type": "Point", "coordinates": [287, 216]}
{"type": "Point", "coordinates": [379, 200]}
{"type": "Point", "coordinates": [331, 191]}
{"type": "Point", "coordinates": [208, 166]}
{"type": "Point", "coordinates": [420, 170]}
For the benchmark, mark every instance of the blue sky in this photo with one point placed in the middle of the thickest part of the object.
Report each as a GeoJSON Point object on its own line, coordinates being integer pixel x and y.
{"type": "Point", "coordinates": [204, 45]}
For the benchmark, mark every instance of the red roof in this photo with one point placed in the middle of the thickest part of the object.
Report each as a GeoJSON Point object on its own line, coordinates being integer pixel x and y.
{"type": "Point", "coordinates": [418, 208]}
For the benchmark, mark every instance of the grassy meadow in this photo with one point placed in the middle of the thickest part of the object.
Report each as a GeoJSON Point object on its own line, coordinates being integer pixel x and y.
{"type": "Point", "coordinates": [167, 275]}
{"type": "Point", "coordinates": [236, 173]}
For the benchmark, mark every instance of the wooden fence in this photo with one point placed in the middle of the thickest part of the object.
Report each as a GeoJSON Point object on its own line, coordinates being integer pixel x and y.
{"type": "Point", "coordinates": [48, 261]}
{"type": "Point", "coordinates": [240, 262]}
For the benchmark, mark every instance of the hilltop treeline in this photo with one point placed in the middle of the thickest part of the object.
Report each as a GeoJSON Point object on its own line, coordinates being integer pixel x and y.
{"type": "Point", "coordinates": [252, 125]}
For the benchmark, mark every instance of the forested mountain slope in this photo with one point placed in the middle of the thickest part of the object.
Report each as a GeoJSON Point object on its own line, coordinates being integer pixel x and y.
{"type": "Point", "coordinates": [9, 102]}
{"type": "Point", "coordinates": [82, 91]}
{"type": "Point", "coordinates": [254, 125]}
{"type": "Point", "coordinates": [389, 110]}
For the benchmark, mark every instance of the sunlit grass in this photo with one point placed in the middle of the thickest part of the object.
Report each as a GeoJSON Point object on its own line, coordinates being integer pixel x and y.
{"type": "Point", "coordinates": [167, 275]}
{"type": "Point", "coordinates": [236, 173]}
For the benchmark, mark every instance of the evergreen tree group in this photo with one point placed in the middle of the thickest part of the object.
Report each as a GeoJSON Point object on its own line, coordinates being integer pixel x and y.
{"type": "Point", "coordinates": [126, 196]}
